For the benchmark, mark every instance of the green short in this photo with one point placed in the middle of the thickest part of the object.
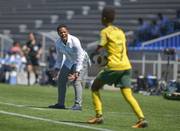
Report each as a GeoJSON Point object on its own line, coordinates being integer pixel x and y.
{"type": "Point", "coordinates": [120, 79]}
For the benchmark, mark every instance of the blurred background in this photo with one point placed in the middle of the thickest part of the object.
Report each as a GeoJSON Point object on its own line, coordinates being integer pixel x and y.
{"type": "Point", "coordinates": [152, 29]}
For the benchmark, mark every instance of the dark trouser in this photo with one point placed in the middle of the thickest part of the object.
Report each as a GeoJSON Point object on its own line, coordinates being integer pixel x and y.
{"type": "Point", "coordinates": [62, 83]}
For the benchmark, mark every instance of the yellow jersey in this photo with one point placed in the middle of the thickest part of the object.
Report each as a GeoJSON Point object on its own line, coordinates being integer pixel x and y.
{"type": "Point", "coordinates": [114, 41]}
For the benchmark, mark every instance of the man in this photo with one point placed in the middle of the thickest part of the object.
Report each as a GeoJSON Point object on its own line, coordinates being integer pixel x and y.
{"type": "Point", "coordinates": [165, 25]}
{"type": "Point", "coordinates": [70, 65]}
{"type": "Point", "coordinates": [118, 71]}
{"type": "Point", "coordinates": [143, 31]}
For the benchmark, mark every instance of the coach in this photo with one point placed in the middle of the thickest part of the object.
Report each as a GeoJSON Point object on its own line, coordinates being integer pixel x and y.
{"type": "Point", "coordinates": [71, 64]}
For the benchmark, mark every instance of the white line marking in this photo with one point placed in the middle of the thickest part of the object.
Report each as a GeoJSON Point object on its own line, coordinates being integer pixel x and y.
{"type": "Point", "coordinates": [11, 104]}
{"type": "Point", "coordinates": [53, 121]}
{"type": "Point", "coordinates": [122, 114]}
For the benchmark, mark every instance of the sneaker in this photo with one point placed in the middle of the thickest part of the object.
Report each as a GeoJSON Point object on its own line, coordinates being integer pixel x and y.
{"type": "Point", "coordinates": [98, 119]}
{"type": "Point", "coordinates": [141, 124]}
{"type": "Point", "coordinates": [76, 107]}
{"type": "Point", "coordinates": [57, 106]}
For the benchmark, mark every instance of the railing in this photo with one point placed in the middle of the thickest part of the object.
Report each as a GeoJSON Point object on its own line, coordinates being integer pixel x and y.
{"type": "Point", "coordinates": [156, 49]}
{"type": "Point", "coordinates": [169, 41]}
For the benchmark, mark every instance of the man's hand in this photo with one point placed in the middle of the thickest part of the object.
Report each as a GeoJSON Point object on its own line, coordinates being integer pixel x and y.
{"type": "Point", "coordinates": [73, 77]}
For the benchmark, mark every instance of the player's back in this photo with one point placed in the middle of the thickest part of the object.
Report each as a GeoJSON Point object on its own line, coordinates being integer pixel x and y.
{"type": "Point", "coordinates": [114, 40]}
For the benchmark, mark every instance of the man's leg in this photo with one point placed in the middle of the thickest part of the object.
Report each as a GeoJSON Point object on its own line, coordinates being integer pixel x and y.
{"type": "Point", "coordinates": [78, 95]}
{"type": "Point", "coordinates": [62, 81]}
{"type": "Point", "coordinates": [78, 87]}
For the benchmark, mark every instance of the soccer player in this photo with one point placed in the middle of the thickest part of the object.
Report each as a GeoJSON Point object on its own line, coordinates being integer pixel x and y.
{"type": "Point", "coordinates": [117, 71]}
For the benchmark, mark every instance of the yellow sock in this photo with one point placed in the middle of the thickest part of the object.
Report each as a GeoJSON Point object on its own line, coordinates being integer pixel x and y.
{"type": "Point", "coordinates": [97, 102]}
{"type": "Point", "coordinates": [127, 93]}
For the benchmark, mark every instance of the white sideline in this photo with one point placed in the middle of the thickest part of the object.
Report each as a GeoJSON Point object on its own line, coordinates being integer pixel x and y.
{"type": "Point", "coordinates": [53, 121]}
{"type": "Point", "coordinates": [39, 108]}
{"type": "Point", "coordinates": [15, 105]}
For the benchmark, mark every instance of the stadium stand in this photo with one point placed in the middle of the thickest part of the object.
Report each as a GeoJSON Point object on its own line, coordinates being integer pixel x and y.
{"type": "Point", "coordinates": [18, 18]}
{"type": "Point", "coordinates": [44, 15]}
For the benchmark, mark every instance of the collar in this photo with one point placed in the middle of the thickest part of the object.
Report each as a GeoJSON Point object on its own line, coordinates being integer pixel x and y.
{"type": "Point", "coordinates": [68, 39]}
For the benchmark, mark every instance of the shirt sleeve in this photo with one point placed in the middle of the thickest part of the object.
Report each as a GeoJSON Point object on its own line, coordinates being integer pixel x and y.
{"type": "Point", "coordinates": [80, 55]}
{"type": "Point", "coordinates": [103, 38]}
{"type": "Point", "coordinates": [60, 59]}
{"type": "Point", "coordinates": [87, 59]}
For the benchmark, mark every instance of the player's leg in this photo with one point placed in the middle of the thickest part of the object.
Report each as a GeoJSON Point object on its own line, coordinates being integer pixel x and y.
{"type": "Point", "coordinates": [104, 77]}
{"type": "Point", "coordinates": [127, 93]}
{"type": "Point", "coordinates": [97, 102]}
{"type": "Point", "coordinates": [124, 82]}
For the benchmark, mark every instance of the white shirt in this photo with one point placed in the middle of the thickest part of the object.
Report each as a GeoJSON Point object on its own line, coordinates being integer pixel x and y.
{"type": "Point", "coordinates": [70, 53]}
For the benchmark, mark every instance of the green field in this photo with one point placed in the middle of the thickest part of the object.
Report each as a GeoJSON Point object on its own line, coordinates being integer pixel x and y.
{"type": "Point", "coordinates": [24, 108]}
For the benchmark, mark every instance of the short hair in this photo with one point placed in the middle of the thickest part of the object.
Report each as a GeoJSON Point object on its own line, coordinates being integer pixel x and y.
{"type": "Point", "coordinates": [61, 26]}
{"type": "Point", "coordinates": [109, 13]}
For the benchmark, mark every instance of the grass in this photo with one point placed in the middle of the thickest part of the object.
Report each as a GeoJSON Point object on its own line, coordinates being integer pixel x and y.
{"type": "Point", "coordinates": [162, 114]}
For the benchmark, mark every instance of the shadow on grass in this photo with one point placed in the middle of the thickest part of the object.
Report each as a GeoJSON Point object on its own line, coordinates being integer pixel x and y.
{"type": "Point", "coordinates": [76, 121]}
{"type": "Point", "coordinates": [47, 107]}
{"type": "Point", "coordinates": [80, 122]}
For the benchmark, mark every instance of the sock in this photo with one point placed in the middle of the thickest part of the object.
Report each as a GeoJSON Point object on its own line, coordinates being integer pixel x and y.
{"type": "Point", "coordinates": [127, 93]}
{"type": "Point", "coordinates": [97, 102]}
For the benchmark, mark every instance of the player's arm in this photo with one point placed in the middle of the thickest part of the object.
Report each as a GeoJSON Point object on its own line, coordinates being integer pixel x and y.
{"type": "Point", "coordinates": [96, 52]}
{"type": "Point", "coordinates": [103, 42]}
